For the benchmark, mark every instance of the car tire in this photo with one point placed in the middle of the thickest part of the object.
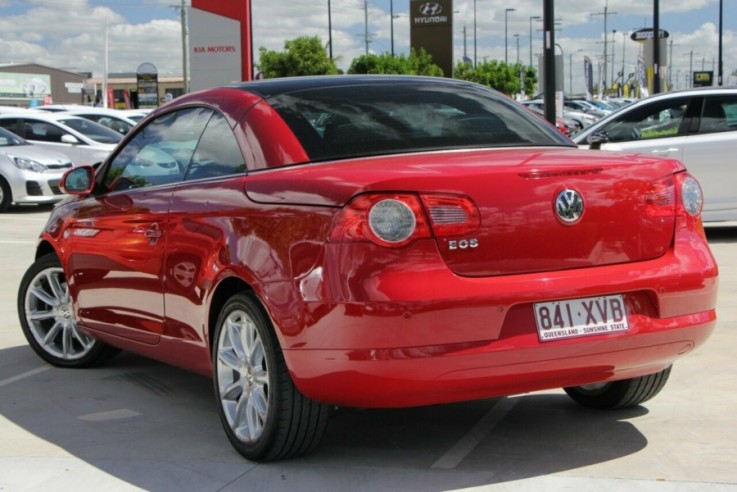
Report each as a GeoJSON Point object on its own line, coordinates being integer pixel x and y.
{"type": "Point", "coordinates": [620, 394]}
{"type": "Point", "coordinates": [6, 196]}
{"type": "Point", "coordinates": [47, 318]}
{"type": "Point", "coordinates": [263, 414]}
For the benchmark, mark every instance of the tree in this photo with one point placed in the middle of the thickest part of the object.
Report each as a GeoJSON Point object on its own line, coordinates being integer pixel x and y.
{"type": "Point", "coordinates": [414, 64]}
{"type": "Point", "coordinates": [506, 78]}
{"type": "Point", "coordinates": [302, 56]}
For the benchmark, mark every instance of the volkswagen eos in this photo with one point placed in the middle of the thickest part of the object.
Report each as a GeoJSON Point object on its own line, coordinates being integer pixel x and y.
{"type": "Point", "coordinates": [379, 241]}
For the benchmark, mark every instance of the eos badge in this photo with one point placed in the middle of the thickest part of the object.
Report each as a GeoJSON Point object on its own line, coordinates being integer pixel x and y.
{"type": "Point", "coordinates": [463, 244]}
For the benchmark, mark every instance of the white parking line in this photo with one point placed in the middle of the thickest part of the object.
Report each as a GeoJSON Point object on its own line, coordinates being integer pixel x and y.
{"type": "Point", "coordinates": [24, 375]}
{"type": "Point", "coordinates": [463, 448]}
{"type": "Point", "coordinates": [122, 413]}
{"type": "Point", "coordinates": [11, 241]}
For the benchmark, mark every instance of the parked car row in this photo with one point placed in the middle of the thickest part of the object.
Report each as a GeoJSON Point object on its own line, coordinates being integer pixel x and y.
{"type": "Point", "coordinates": [36, 145]}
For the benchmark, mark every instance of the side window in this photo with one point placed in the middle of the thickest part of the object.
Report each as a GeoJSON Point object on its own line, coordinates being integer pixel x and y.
{"type": "Point", "coordinates": [719, 115]}
{"type": "Point", "coordinates": [217, 153]}
{"type": "Point", "coordinates": [660, 120]}
{"type": "Point", "coordinates": [160, 152]}
{"type": "Point", "coordinates": [42, 131]}
{"type": "Point", "coordinates": [12, 124]}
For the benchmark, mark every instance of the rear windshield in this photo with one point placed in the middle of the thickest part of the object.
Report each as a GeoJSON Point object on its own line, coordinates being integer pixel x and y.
{"type": "Point", "coordinates": [342, 122]}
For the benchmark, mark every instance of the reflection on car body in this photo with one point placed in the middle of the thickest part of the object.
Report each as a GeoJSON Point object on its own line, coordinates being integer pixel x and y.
{"type": "Point", "coordinates": [696, 126]}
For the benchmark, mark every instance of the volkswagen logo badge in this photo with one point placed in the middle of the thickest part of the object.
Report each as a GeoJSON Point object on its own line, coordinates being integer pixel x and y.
{"type": "Point", "coordinates": [569, 206]}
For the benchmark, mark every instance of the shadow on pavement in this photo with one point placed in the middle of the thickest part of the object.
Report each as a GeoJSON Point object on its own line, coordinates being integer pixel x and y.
{"type": "Point", "coordinates": [721, 234]}
{"type": "Point", "coordinates": [156, 427]}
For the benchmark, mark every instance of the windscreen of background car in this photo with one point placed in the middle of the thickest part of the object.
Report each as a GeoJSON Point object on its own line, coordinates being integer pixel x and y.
{"type": "Point", "coordinates": [344, 122]}
{"type": "Point", "coordinates": [8, 138]}
{"type": "Point", "coordinates": [93, 131]}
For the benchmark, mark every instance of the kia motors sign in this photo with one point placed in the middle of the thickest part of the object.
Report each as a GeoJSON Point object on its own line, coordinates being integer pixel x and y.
{"type": "Point", "coordinates": [648, 33]}
{"type": "Point", "coordinates": [431, 29]}
{"type": "Point", "coordinates": [220, 46]}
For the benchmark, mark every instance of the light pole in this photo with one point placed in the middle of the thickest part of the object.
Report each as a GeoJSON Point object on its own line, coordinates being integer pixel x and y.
{"type": "Point", "coordinates": [516, 36]}
{"type": "Point", "coordinates": [330, 31]}
{"type": "Point", "coordinates": [506, 16]}
{"type": "Point", "coordinates": [391, 22]}
{"type": "Point", "coordinates": [474, 33]}
{"type": "Point", "coordinates": [614, 41]}
{"type": "Point", "coordinates": [535, 17]}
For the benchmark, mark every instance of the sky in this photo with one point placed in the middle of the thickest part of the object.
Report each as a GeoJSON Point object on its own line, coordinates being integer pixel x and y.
{"type": "Point", "coordinates": [70, 34]}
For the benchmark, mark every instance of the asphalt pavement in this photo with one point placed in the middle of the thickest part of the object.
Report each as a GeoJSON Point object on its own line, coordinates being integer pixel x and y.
{"type": "Point", "coordinates": [136, 424]}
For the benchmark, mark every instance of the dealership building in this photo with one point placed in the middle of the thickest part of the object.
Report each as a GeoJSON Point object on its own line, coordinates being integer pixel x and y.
{"type": "Point", "coordinates": [31, 84]}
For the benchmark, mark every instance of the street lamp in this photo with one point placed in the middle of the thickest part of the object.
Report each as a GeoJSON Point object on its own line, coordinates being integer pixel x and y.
{"type": "Point", "coordinates": [391, 16]}
{"type": "Point", "coordinates": [330, 31]}
{"type": "Point", "coordinates": [535, 17]}
{"type": "Point", "coordinates": [516, 36]}
{"type": "Point", "coordinates": [506, 12]}
{"type": "Point", "coordinates": [474, 33]}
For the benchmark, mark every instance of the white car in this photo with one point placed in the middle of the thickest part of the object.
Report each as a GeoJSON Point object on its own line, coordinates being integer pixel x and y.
{"type": "Point", "coordinates": [29, 173]}
{"type": "Point", "coordinates": [696, 126]}
{"type": "Point", "coordinates": [135, 114]}
{"type": "Point", "coordinates": [82, 140]}
{"type": "Point", "coordinates": [114, 119]}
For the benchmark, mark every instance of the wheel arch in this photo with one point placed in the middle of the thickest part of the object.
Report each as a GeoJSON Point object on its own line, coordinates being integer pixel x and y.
{"type": "Point", "coordinates": [44, 248]}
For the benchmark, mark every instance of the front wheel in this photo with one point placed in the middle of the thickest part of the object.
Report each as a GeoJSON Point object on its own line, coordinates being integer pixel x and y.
{"type": "Point", "coordinates": [263, 414]}
{"type": "Point", "coordinates": [48, 322]}
{"type": "Point", "coordinates": [620, 394]}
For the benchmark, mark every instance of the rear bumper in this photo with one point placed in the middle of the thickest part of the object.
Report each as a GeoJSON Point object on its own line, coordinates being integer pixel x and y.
{"type": "Point", "coordinates": [431, 375]}
{"type": "Point", "coordinates": [409, 332]}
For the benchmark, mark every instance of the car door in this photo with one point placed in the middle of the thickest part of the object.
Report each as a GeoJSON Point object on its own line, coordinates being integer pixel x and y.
{"type": "Point", "coordinates": [658, 129]}
{"type": "Point", "coordinates": [119, 236]}
{"type": "Point", "coordinates": [710, 153]}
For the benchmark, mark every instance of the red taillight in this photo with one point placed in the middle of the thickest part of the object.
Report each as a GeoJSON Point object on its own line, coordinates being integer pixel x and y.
{"type": "Point", "coordinates": [387, 219]}
{"type": "Point", "coordinates": [396, 219]}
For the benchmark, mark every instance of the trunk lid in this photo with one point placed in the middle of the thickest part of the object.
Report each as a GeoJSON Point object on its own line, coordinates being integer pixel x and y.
{"type": "Point", "coordinates": [521, 194]}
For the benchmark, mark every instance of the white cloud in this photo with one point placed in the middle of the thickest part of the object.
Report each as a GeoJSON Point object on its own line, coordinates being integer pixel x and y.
{"type": "Point", "coordinates": [70, 34]}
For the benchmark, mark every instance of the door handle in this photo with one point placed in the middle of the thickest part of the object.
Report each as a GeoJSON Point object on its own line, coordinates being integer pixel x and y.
{"type": "Point", "coordinates": [152, 232]}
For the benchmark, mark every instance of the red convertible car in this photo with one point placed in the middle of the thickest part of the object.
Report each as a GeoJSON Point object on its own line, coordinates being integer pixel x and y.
{"type": "Point", "coordinates": [371, 242]}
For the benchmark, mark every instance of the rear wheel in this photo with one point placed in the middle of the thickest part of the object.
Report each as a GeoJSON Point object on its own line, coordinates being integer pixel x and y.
{"type": "Point", "coordinates": [48, 322]}
{"type": "Point", "coordinates": [620, 394]}
{"type": "Point", "coordinates": [264, 415]}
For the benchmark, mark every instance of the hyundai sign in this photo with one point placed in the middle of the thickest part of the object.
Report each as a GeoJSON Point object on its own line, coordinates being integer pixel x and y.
{"type": "Point", "coordinates": [431, 29]}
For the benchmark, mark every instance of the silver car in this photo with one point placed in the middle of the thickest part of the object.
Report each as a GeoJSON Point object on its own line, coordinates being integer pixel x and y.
{"type": "Point", "coordinates": [29, 173]}
{"type": "Point", "coordinates": [696, 126]}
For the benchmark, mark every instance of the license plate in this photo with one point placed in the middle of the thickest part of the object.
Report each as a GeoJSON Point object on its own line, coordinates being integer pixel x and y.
{"type": "Point", "coordinates": [580, 317]}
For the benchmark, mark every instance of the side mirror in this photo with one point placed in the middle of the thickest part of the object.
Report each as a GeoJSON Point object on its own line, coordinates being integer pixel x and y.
{"type": "Point", "coordinates": [595, 140]}
{"type": "Point", "coordinates": [70, 139]}
{"type": "Point", "coordinates": [78, 181]}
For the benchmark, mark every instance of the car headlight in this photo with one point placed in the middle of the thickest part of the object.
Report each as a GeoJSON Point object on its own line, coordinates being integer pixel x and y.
{"type": "Point", "coordinates": [28, 164]}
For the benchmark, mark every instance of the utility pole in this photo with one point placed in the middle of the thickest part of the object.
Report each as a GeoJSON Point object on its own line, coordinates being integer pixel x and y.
{"type": "Point", "coordinates": [656, 46]}
{"type": "Point", "coordinates": [365, 23]}
{"type": "Point", "coordinates": [549, 60]}
{"type": "Point", "coordinates": [606, 14]}
{"type": "Point", "coordinates": [330, 32]}
{"type": "Point", "coordinates": [720, 68]}
{"type": "Point", "coordinates": [185, 47]}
